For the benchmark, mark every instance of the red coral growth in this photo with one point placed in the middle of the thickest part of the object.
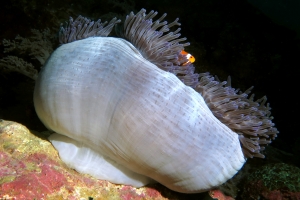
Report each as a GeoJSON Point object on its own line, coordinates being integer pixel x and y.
{"type": "Point", "coordinates": [33, 184]}
{"type": "Point", "coordinates": [218, 194]}
{"type": "Point", "coordinates": [152, 193]}
{"type": "Point", "coordinates": [129, 193]}
{"type": "Point", "coordinates": [9, 165]}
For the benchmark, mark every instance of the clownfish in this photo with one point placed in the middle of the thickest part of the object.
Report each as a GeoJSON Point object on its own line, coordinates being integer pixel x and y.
{"type": "Point", "coordinates": [188, 56]}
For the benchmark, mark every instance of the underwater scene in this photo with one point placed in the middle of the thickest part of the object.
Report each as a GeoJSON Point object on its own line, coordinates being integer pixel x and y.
{"type": "Point", "coordinates": [135, 100]}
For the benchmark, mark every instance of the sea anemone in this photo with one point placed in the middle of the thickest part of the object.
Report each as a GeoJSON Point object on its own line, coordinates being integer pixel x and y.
{"type": "Point", "coordinates": [132, 108]}
{"type": "Point", "coordinates": [250, 119]}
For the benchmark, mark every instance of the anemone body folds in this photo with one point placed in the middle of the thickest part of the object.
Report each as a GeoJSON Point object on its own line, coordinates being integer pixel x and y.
{"type": "Point", "coordinates": [108, 103]}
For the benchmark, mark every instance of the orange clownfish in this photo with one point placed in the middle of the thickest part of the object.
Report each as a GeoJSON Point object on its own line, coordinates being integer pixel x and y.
{"type": "Point", "coordinates": [188, 56]}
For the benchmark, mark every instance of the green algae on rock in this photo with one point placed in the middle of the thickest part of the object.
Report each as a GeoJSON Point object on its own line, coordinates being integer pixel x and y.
{"type": "Point", "coordinates": [273, 181]}
{"type": "Point", "coordinates": [278, 176]}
